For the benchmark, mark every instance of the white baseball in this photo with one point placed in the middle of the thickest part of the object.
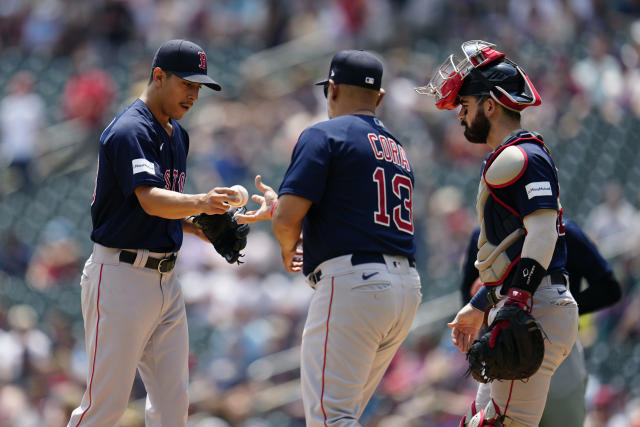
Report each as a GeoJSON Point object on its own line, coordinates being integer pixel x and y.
{"type": "Point", "coordinates": [244, 196]}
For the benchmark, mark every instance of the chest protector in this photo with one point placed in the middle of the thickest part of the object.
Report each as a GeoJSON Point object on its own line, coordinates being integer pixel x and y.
{"type": "Point", "coordinates": [501, 227]}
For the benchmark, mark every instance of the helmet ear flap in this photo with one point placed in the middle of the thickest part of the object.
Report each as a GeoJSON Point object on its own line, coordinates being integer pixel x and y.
{"type": "Point", "coordinates": [517, 102]}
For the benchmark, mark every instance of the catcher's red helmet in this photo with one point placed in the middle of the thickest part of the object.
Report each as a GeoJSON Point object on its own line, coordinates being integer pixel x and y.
{"type": "Point", "coordinates": [483, 71]}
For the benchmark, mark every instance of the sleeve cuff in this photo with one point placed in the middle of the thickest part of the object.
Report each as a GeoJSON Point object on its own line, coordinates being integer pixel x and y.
{"type": "Point", "coordinates": [480, 300]}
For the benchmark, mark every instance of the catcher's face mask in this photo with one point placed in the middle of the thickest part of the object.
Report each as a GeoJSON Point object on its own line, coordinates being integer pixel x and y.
{"type": "Point", "coordinates": [445, 85]}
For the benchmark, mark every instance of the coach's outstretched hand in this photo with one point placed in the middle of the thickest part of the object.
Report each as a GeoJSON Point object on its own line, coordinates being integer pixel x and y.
{"type": "Point", "coordinates": [465, 327]}
{"type": "Point", "coordinates": [266, 201]}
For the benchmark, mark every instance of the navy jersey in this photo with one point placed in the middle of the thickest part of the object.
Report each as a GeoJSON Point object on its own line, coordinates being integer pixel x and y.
{"type": "Point", "coordinates": [583, 261]}
{"type": "Point", "coordinates": [535, 188]}
{"type": "Point", "coordinates": [136, 150]}
{"type": "Point", "coordinates": [469, 270]}
{"type": "Point", "coordinates": [360, 183]}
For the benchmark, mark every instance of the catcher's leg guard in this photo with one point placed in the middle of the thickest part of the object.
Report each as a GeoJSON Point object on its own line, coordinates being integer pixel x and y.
{"type": "Point", "coordinates": [488, 417]}
{"type": "Point", "coordinates": [470, 413]}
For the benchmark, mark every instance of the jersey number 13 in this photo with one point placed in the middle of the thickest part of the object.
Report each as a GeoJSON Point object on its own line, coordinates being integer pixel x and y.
{"type": "Point", "coordinates": [402, 212]}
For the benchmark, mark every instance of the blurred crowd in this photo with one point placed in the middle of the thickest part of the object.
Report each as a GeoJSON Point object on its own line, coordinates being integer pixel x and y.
{"type": "Point", "coordinates": [67, 66]}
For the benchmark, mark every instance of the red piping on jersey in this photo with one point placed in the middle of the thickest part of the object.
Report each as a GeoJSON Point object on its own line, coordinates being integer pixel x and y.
{"type": "Point", "coordinates": [502, 203]}
{"type": "Point", "coordinates": [324, 361]}
{"type": "Point", "coordinates": [493, 157]}
{"type": "Point", "coordinates": [524, 167]}
{"type": "Point", "coordinates": [95, 350]}
{"type": "Point", "coordinates": [506, 274]}
{"type": "Point", "coordinates": [506, 206]}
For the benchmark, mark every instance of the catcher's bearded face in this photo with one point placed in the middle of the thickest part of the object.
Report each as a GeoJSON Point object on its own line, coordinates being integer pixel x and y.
{"type": "Point", "coordinates": [472, 118]}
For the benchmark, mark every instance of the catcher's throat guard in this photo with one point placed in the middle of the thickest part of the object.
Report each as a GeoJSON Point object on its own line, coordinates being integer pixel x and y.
{"type": "Point", "coordinates": [445, 85]}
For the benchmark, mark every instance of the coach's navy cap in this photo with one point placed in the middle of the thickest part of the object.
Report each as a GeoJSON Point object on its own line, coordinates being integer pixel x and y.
{"type": "Point", "coordinates": [357, 68]}
{"type": "Point", "coordinates": [186, 60]}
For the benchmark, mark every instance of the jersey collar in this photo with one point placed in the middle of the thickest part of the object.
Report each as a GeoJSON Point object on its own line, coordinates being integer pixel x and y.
{"type": "Point", "coordinates": [144, 109]}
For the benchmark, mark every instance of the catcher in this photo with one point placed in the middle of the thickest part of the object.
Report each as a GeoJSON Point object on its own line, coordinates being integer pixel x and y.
{"type": "Point", "coordinates": [566, 398]}
{"type": "Point", "coordinates": [532, 316]}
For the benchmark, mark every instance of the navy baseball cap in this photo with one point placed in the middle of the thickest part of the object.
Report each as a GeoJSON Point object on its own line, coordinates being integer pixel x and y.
{"type": "Point", "coordinates": [355, 67]}
{"type": "Point", "coordinates": [186, 60]}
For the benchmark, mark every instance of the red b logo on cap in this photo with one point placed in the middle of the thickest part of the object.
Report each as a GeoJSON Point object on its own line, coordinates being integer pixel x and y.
{"type": "Point", "coordinates": [203, 60]}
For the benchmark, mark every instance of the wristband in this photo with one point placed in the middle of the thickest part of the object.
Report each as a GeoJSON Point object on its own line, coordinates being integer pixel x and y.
{"type": "Point", "coordinates": [519, 298]}
{"type": "Point", "coordinates": [273, 208]}
{"type": "Point", "coordinates": [480, 300]}
{"type": "Point", "coordinates": [528, 275]}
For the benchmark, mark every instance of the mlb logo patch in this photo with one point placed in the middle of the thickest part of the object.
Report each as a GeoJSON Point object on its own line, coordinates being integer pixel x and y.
{"type": "Point", "coordinates": [369, 80]}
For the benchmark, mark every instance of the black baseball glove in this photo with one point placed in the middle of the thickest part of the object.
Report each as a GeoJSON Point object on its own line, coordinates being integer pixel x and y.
{"type": "Point", "coordinates": [225, 234]}
{"type": "Point", "coordinates": [512, 349]}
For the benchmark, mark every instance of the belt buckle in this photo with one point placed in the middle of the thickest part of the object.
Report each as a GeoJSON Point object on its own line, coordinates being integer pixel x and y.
{"type": "Point", "coordinates": [315, 277]}
{"type": "Point", "coordinates": [492, 297]}
{"type": "Point", "coordinates": [168, 264]}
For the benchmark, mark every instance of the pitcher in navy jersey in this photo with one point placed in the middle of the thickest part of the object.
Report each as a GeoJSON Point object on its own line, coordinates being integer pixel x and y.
{"type": "Point", "coordinates": [349, 189]}
{"type": "Point", "coordinates": [132, 305]}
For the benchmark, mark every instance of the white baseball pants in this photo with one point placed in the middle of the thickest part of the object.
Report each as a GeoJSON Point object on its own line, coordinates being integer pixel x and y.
{"type": "Point", "coordinates": [557, 312]}
{"type": "Point", "coordinates": [134, 317]}
{"type": "Point", "coordinates": [358, 317]}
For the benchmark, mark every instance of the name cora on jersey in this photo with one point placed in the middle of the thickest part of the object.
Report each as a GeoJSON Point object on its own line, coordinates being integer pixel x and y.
{"type": "Point", "coordinates": [386, 149]}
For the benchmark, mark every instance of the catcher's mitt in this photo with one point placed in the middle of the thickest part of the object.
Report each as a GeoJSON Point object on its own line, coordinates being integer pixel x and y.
{"type": "Point", "coordinates": [512, 349]}
{"type": "Point", "coordinates": [225, 234]}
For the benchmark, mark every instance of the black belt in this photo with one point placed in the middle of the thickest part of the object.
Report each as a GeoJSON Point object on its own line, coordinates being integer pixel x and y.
{"type": "Point", "coordinates": [357, 259]}
{"type": "Point", "coordinates": [162, 265]}
{"type": "Point", "coordinates": [369, 257]}
{"type": "Point", "coordinates": [558, 278]}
